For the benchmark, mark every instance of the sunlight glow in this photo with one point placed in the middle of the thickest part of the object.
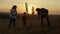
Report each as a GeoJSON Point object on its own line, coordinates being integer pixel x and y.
{"type": "Point", "coordinates": [30, 10]}
{"type": "Point", "coordinates": [51, 5]}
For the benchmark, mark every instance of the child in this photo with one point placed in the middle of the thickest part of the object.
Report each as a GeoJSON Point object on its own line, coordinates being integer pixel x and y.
{"type": "Point", "coordinates": [24, 18]}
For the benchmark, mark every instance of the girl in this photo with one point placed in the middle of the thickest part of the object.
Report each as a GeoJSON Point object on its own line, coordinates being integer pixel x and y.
{"type": "Point", "coordinates": [13, 14]}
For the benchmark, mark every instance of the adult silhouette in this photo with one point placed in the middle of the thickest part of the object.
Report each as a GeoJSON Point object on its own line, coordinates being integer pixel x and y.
{"type": "Point", "coordinates": [43, 13]}
{"type": "Point", "coordinates": [13, 15]}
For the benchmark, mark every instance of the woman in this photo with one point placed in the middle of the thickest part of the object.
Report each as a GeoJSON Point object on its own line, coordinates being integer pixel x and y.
{"type": "Point", "coordinates": [13, 15]}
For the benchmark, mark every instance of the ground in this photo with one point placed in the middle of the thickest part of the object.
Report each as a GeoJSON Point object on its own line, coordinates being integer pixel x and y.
{"type": "Point", "coordinates": [33, 26]}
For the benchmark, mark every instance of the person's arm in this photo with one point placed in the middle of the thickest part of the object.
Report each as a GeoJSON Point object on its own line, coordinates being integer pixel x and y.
{"type": "Point", "coordinates": [10, 14]}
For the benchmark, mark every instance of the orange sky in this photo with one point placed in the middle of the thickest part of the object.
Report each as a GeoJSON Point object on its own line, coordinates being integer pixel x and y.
{"type": "Point", "coordinates": [51, 5]}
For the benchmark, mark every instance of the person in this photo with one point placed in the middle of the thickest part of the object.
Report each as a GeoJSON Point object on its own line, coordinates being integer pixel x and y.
{"type": "Point", "coordinates": [13, 15]}
{"type": "Point", "coordinates": [38, 12]}
{"type": "Point", "coordinates": [43, 13]}
{"type": "Point", "coordinates": [24, 18]}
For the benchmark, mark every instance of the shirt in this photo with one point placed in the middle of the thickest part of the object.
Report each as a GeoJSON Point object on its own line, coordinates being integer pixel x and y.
{"type": "Point", "coordinates": [13, 14]}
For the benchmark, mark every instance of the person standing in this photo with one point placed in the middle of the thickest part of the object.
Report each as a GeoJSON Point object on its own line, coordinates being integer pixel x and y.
{"type": "Point", "coordinates": [13, 15]}
{"type": "Point", "coordinates": [24, 19]}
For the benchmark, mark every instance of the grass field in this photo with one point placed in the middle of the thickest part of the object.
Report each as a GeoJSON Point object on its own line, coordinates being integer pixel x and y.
{"type": "Point", "coordinates": [33, 26]}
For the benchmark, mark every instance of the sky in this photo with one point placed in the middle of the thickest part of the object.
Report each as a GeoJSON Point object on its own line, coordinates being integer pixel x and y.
{"type": "Point", "coordinates": [53, 6]}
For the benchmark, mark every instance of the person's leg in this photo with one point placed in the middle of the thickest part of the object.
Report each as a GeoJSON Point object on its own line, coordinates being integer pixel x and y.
{"type": "Point", "coordinates": [41, 20]}
{"type": "Point", "coordinates": [24, 24]}
{"type": "Point", "coordinates": [47, 20]}
{"type": "Point", "coordinates": [10, 23]}
{"type": "Point", "coordinates": [14, 21]}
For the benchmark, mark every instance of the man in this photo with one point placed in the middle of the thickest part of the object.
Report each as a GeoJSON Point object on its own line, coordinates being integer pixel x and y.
{"type": "Point", "coordinates": [13, 15]}
{"type": "Point", "coordinates": [43, 13]}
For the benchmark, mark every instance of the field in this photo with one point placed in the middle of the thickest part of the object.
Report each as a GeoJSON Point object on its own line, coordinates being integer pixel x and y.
{"type": "Point", "coordinates": [33, 26]}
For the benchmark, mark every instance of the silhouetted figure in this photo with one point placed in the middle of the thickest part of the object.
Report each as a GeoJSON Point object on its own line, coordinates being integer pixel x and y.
{"type": "Point", "coordinates": [13, 15]}
{"type": "Point", "coordinates": [43, 13]}
{"type": "Point", "coordinates": [24, 18]}
{"type": "Point", "coordinates": [38, 13]}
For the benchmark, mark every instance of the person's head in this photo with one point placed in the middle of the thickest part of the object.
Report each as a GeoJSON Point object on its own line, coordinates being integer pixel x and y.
{"type": "Point", "coordinates": [24, 12]}
{"type": "Point", "coordinates": [14, 7]}
{"type": "Point", "coordinates": [37, 9]}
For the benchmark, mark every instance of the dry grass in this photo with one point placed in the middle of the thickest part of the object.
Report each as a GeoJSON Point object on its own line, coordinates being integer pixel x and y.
{"type": "Point", "coordinates": [35, 26]}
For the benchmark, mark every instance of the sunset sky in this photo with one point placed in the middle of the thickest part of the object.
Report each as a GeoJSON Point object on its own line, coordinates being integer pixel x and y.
{"type": "Point", "coordinates": [52, 5]}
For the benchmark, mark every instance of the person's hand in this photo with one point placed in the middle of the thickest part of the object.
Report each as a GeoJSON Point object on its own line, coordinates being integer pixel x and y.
{"type": "Point", "coordinates": [41, 13]}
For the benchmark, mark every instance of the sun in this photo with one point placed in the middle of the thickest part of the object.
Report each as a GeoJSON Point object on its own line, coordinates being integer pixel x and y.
{"type": "Point", "coordinates": [29, 10]}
